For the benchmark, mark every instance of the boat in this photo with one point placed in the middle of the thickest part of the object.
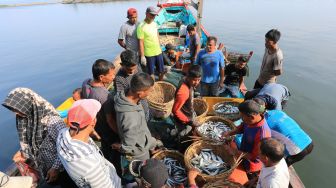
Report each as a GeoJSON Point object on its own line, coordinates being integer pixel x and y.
{"type": "Point", "coordinates": [173, 17]}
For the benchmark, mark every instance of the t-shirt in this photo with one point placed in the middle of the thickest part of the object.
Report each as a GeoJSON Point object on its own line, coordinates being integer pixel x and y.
{"type": "Point", "coordinates": [275, 176]}
{"type": "Point", "coordinates": [233, 74]}
{"type": "Point", "coordinates": [149, 33]}
{"type": "Point", "coordinates": [287, 131]}
{"type": "Point", "coordinates": [277, 91]}
{"type": "Point", "coordinates": [270, 63]}
{"type": "Point", "coordinates": [211, 64]}
{"type": "Point", "coordinates": [129, 35]}
{"type": "Point", "coordinates": [92, 92]}
{"type": "Point", "coordinates": [252, 135]}
{"type": "Point", "coordinates": [194, 41]}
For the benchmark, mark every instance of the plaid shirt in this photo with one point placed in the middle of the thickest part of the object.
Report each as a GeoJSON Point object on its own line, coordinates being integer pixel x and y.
{"type": "Point", "coordinates": [48, 157]}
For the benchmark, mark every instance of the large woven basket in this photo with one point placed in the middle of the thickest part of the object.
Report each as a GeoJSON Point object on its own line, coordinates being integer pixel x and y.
{"type": "Point", "coordinates": [161, 99]}
{"type": "Point", "coordinates": [223, 184]}
{"type": "Point", "coordinates": [230, 116]}
{"type": "Point", "coordinates": [216, 119]}
{"type": "Point", "coordinates": [219, 150]}
{"type": "Point", "coordinates": [170, 153]}
{"type": "Point", "coordinates": [201, 108]}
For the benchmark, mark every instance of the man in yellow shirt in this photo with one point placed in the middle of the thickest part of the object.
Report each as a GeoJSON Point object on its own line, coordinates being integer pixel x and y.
{"type": "Point", "coordinates": [150, 50]}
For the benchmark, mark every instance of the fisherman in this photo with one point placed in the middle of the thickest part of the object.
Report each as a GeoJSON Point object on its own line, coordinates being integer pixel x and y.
{"type": "Point", "coordinates": [195, 43]}
{"type": "Point", "coordinates": [79, 154]}
{"type": "Point", "coordinates": [129, 68]}
{"type": "Point", "coordinates": [127, 36]}
{"type": "Point", "coordinates": [254, 128]}
{"type": "Point", "coordinates": [297, 142]}
{"type": "Point", "coordinates": [275, 171]}
{"type": "Point", "coordinates": [183, 110]}
{"type": "Point", "coordinates": [271, 65]}
{"type": "Point", "coordinates": [234, 77]}
{"type": "Point", "coordinates": [150, 50]}
{"type": "Point", "coordinates": [38, 125]}
{"type": "Point", "coordinates": [170, 56]}
{"type": "Point", "coordinates": [103, 74]}
{"type": "Point", "coordinates": [149, 173]}
{"type": "Point", "coordinates": [136, 139]}
{"type": "Point", "coordinates": [212, 62]}
{"type": "Point", "coordinates": [273, 94]}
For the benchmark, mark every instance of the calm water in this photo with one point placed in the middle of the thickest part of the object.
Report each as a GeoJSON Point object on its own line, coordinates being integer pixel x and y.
{"type": "Point", "coordinates": [51, 49]}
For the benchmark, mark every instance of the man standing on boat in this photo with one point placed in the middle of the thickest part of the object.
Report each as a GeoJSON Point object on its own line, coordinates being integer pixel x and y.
{"type": "Point", "coordinates": [150, 50]}
{"type": "Point", "coordinates": [212, 62]}
{"type": "Point", "coordinates": [195, 43]}
{"type": "Point", "coordinates": [271, 65]}
{"type": "Point", "coordinates": [127, 36]}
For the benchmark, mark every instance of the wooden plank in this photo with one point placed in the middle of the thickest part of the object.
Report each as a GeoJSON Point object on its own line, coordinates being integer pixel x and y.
{"type": "Point", "coordinates": [294, 179]}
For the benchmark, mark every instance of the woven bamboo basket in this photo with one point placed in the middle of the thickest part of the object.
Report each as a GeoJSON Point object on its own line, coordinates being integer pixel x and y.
{"type": "Point", "coordinates": [223, 184]}
{"type": "Point", "coordinates": [219, 150]}
{"type": "Point", "coordinates": [170, 153]}
{"type": "Point", "coordinates": [201, 108]}
{"type": "Point", "coordinates": [230, 116]}
{"type": "Point", "coordinates": [161, 100]}
{"type": "Point", "coordinates": [216, 119]}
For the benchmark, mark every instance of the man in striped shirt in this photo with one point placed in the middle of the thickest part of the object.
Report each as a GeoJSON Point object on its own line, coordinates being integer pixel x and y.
{"type": "Point", "coordinates": [79, 155]}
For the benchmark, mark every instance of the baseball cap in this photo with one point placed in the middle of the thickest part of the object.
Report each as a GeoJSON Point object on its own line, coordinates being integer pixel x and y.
{"type": "Point", "coordinates": [153, 171]}
{"type": "Point", "coordinates": [152, 10]}
{"type": "Point", "coordinates": [83, 112]}
{"type": "Point", "coordinates": [251, 107]}
{"type": "Point", "coordinates": [131, 12]}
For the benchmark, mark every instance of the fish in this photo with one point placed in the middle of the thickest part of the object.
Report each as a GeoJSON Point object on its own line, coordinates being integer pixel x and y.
{"type": "Point", "coordinates": [177, 173]}
{"type": "Point", "coordinates": [226, 109]}
{"type": "Point", "coordinates": [213, 130]}
{"type": "Point", "coordinates": [209, 163]}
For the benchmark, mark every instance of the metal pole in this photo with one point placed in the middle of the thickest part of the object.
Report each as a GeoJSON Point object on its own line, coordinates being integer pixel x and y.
{"type": "Point", "coordinates": [199, 17]}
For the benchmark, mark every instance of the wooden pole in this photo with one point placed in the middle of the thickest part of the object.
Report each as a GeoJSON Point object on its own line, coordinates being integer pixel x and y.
{"type": "Point", "coordinates": [199, 17]}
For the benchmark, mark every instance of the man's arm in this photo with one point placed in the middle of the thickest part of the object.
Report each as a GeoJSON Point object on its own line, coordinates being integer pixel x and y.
{"type": "Point", "coordinates": [277, 66]}
{"type": "Point", "coordinates": [222, 77]}
{"type": "Point", "coordinates": [241, 80]}
{"type": "Point", "coordinates": [122, 43]}
{"type": "Point", "coordinates": [141, 47]}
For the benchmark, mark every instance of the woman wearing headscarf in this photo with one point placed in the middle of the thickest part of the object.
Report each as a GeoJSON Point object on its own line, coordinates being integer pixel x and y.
{"type": "Point", "coordinates": [38, 124]}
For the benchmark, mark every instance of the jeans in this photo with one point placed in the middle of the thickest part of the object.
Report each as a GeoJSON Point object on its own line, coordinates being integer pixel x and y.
{"type": "Point", "coordinates": [209, 89]}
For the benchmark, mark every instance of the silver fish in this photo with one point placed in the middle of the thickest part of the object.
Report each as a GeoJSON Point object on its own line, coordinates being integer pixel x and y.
{"type": "Point", "coordinates": [213, 130]}
{"type": "Point", "coordinates": [177, 174]}
{"type": "Point", "coordinates": [227, 109]}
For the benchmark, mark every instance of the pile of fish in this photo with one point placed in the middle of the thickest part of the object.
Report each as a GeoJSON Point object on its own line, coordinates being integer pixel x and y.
{"type": "Point", "coordinates": [209, 163]}
{"type": "Point", "coordinates": [213, 130]}
{"type": "Point", "coordinates": [227, 109]}
{"type": "Point", "coordinates": [177, 174]}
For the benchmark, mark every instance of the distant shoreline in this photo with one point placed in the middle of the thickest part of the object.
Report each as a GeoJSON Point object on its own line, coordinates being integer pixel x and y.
{"type": "Point", "coordinates": [60, 2]}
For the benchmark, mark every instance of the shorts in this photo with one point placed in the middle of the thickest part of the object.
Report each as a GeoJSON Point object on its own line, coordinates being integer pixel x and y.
{"type": "Point", "coordinates": [155, 62]}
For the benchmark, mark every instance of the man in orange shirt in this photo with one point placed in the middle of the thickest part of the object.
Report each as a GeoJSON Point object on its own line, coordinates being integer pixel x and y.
{"type": "Point", "coordinates": [183, 108]}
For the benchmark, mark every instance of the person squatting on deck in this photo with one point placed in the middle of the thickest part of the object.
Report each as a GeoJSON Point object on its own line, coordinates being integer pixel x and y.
{"type": "Point", "coordinates": [194, 43]}
{"type": "Point", "coordinates": [273, 94]}
{"type": "Point", "coordinates": [149, 44]}
{"type": "Point", "coordinates": [254, 128]}
{"type": "Point", "coordinates": [38, 125]}
{"type": "Point", "coordinates": [80, 156]}
{"type": "Point", "coordinates": [212, 62]}
{"type": "Point", "coordinates": [271, 65]}
{"type": "Point", "coordinates": [297, 143]}
{"type": "Point", "coordinates": [234, 77]}
{"type": "Point", "coordinates": [136, 139]}
{"type": "Point", "coordinates": [183, 109]}
{"type": "Point", "coordinates": [275, 171]}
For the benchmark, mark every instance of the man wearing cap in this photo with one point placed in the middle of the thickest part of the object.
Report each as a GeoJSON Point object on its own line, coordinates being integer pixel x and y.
{"type": "Point", "coordinates": [149, 173]}
{"type": "Point", "coordinates": [254, 128]}
{"type": "Point", "coordinates": [150, 50]}
{"type": "Point", "coordinates": [271, 65]}
{"type": "Point", "coordinates": [234, 77]}
{"type": "Point", "coordinates": [127, 35]}
{"type": "Point", "coordinates": [79, 155]}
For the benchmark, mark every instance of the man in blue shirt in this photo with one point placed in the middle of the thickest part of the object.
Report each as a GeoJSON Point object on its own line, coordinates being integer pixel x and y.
{"type": "Point", "coordinates": [212, 62]}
